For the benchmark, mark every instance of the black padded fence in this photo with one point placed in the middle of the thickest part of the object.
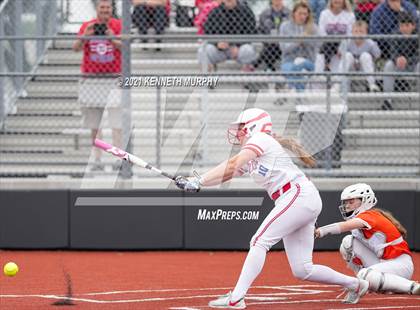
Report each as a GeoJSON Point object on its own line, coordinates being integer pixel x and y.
{"type": "Point", "coordinates": [163, 219]}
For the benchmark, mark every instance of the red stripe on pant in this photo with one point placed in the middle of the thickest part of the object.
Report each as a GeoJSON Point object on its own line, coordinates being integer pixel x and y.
{"type": "Point", "coordinates": [279, 214]}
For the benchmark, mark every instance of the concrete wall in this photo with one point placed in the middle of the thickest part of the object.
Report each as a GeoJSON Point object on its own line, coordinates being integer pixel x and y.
{"type": "Point", "coordinates": [162, 219]}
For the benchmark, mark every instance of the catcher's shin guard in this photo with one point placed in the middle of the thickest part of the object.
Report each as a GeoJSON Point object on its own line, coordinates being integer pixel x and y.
{"type": "Point", "coordinates": [386, 282]}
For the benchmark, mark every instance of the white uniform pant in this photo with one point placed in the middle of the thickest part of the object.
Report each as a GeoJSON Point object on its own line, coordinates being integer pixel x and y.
{"type": "Point", "coordinates": [401, 266]}
{"type": "Point", "coordinates": [293, 220]}
{"type": "Point", "coordinates": [296, 226]}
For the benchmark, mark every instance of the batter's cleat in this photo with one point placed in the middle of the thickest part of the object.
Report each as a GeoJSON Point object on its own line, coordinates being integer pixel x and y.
{"type": "Point", "coordinates": [225, 302]}
{"type": "Point", "coordinates": [415, 289]}
{"type": "Point", "coordinates": [353, 296]}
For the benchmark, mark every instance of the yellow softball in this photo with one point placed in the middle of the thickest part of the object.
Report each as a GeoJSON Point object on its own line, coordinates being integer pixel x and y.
{"type": "Point", "coordinates": [10, 269]}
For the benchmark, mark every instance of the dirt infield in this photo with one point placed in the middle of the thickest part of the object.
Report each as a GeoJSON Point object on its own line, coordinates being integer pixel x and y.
{"type": "Point", "coordinates": [169, 280]}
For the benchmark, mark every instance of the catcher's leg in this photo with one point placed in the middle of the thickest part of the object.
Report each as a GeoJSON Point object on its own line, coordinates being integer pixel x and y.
{"type": "Point", "coordinates": [356, 254]}
{"type": "Point", "coordinates": [391, 275]}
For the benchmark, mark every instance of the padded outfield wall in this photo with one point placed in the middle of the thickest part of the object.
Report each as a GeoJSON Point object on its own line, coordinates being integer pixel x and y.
{"type": "Point", "coordinates": [163, 219]}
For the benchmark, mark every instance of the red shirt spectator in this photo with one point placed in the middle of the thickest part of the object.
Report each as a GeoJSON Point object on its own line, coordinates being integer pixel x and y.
{"type": "Point", "coordinates": [366, 6]}
{"type": "Point", "coordinates": [100, 55]}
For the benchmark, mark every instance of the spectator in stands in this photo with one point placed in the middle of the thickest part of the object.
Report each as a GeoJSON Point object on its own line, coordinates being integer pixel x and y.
{"type": "Point", "coordinates": [101, 58]}
{"type": "Point", "coordinates": [361, 53]}
{"type": "Point", "coordinates": [205, 7]}
{"type": "Point", "coordinates": [114, 7]}
{"type": "Point", "coordinates": [270, 20]}
{"type": "Point", "coordinates": [150, 13]}
{"type": "Point", "coordinates": [299, 55]}
{"type": "Point", "coordinates": [230, 18]}
{"type": "Point", "coordinates": [317, 6]}
{"type": "Point", "coordinates": [364, 9]}
{"type": "Point", "coordinates": [404, 54]}
{"type": "Point", "coordinates": [384, 20]}
{"type": "Point", "coordinates": [336, 19]}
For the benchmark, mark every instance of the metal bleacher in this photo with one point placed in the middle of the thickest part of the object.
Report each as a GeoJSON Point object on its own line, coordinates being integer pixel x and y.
{"type": "Point", "coordinates": [45, 138]}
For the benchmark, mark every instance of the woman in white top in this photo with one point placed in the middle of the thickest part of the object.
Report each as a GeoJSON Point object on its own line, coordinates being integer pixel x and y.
{"type": "Point", "coordinates": [336, 19]}
{"type": "Point", "coordinates": [297, 206]}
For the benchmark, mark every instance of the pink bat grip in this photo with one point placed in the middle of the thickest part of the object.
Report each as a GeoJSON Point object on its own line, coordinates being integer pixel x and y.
{"type": "Point", "coordinates": [112, 149]}
{"type": "Point", "coordinates": [103, 145]}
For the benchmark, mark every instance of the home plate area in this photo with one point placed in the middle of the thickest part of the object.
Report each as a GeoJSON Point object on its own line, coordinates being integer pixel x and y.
{"type": "Point", "coordinates": [171, 280]}
{"type": "Point", "coordinates": [259, 297]}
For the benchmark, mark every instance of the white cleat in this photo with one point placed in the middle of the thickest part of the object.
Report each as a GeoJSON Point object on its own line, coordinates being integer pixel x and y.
{"type": "Point", "coordinates": [225, 302]}
{"type": "Point", "coordinates": [353, 296]}
{"type": "Point", "coordinates": [415, 289]}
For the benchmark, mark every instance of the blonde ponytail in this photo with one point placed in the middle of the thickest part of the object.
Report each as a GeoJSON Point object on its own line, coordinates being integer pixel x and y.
{"type": "Point", "coordinates": [296, 149]}
{"type": "Point", "coordinates": [394, 221]}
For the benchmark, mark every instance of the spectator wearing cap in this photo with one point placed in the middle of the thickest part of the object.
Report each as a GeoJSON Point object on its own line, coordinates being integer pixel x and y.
{"type": "Point", "coordinates": [404, 53]}
{"type": "Point", "coordinates": [269, 23]}
{"type": "Point", "coordinates": [384, 20]}
{"type": "Point", "coordinates": [229, 18]}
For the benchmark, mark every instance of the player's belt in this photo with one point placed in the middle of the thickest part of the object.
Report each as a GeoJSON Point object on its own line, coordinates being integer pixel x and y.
{"type": "Point", "coordinates": [281, 191]}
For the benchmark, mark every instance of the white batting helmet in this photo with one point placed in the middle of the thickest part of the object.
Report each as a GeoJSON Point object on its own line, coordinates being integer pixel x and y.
{"type": "Point", "coordinates": [253, 120]}
{"type": "Point", "coordinates": [359, 190]}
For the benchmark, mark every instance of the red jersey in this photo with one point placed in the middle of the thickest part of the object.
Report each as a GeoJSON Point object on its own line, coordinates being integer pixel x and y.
{"type": "Point", "coordinates": [377, 224]}
{"type": "Point", "coordinates": [100, 55]}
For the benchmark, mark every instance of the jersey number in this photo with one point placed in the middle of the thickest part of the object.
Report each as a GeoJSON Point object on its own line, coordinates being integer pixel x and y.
{"type": "Point", "coordinates": [262, 170]}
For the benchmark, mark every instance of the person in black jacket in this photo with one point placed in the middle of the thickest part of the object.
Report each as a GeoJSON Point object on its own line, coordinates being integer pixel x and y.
{"type": "Point", "coordinates": [404, 53]}
{"type": "Point", "coordinates": [230, 18]}
{"type": "Point", "coordinates": [270, 20]}
{"type": "Point", "coordinates": [150, 13]}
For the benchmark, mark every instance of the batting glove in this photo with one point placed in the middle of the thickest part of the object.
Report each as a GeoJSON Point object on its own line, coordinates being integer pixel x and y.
{"type": "Point", "coordinates": [191, 184]}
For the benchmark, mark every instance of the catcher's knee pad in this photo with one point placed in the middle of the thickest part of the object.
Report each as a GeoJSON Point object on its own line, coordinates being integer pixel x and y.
{"type": "Point", "coordinates": [346, 248]}
{"type": "Point", "coordinates": [375, 278]}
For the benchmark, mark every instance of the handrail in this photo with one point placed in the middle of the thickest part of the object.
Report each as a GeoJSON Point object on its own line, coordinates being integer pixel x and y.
{"type": "Point", "coordinates": [216, 38]}
{"type": "Point", "coordinates": [219, 74]}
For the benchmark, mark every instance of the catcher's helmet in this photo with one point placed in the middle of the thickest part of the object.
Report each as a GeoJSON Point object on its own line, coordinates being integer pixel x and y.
{"type": "Point", "coordinates": [359, 190]}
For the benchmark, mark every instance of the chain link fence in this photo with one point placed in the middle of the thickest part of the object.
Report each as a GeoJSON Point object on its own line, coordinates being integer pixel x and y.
{"type": "Point", "coordinates": [23, 18]}
{"type": "Point", "coordinates": [329, 75]}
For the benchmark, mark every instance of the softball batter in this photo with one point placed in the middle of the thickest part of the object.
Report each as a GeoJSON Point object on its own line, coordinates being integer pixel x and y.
{"type": "Point", "coordinates": [376, 250]}
{"type": "Point", "coordinates": [297, 206]}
